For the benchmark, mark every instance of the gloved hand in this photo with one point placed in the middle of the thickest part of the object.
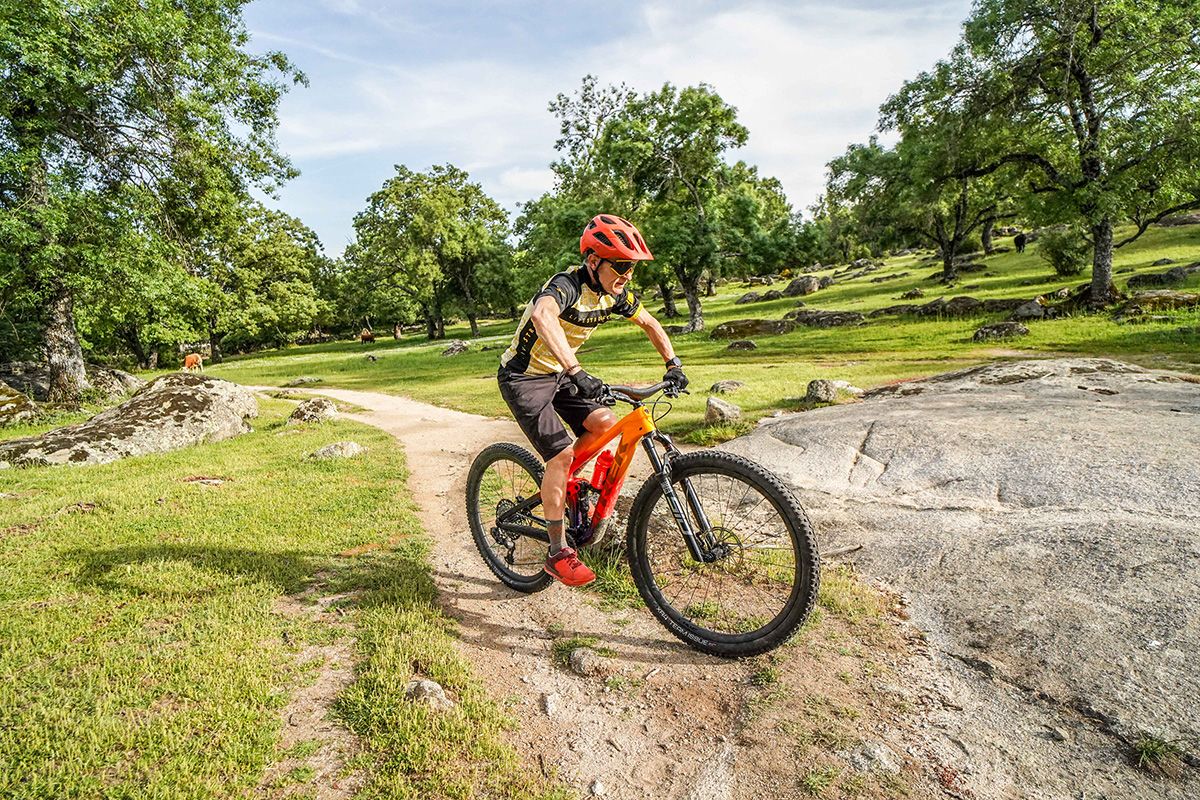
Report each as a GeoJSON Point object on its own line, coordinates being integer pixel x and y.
{"type": "Point", "coordinates": [588, 386]}
{"type": "Point", "coordinates": [675, 375]}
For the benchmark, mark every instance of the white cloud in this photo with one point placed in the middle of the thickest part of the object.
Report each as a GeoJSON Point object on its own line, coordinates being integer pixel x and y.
{"type": "Point", "coordinates": [806, 80]}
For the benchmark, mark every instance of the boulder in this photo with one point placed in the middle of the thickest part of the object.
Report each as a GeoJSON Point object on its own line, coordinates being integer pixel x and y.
{"type": "Point", "coordinates": [1163, 299]}
{"type": "Point", "coordinates": [32, 379]}
{"type": "Point", "coordinates": [14, 406]}
{"type": "Point", "coordinates": [1162, 262]}
{"type": "Point", "coordinates": [1000, 330]}
{"type": "Point", "coordinates": [820, 391]}
{"type": "Point", "coordinates": [1179, 220]}
{"type": "Point", "coordinates": [339, 450]}
{"type": "Point", "coordinates": [741, 328]}
{"type": "Point", "coordinates": [1031, 309]}
{"type": "Point", "coordinates": [774, 294]}
{"type": "Point", "coordinates": [172, 411]}
{"type": "Point", "coordinates": [805, 284]}
{"type": "Point", "coordinates": [742, 344]}
{"type": "Point", "coordinates": [826, 281]}
{"type": "Point", "coordinates": [456, 348]}
{"type": "Point", "coordinates": [962, 307]}
{"type": "Point", "coordinates": [884, 278]}
{"type": "Point", "coordinates": [1046, 536]}
{"type": "Point", "coordinates": [816, 318]}
{"type": "Point", "coordinates": [901, 308]}
{"type": "Point", "coordinates": [726, 387]}
{"type": "Point", "coordinates": [748, 297]}
{"type": "Point", "coordinates": [719, 412]}
{"type": "Point", "coordinates": [848, 388]}
{"type": "Point", "coordinates": [1170, 277]}
{"type": "Point", "coordinates": [318, 409]}
{"type": "Point", "coordinates": [913, 294]}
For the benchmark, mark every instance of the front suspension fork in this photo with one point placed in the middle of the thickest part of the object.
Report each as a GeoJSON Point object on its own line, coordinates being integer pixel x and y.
{"type": "Point", "coordinates": [700, 543]}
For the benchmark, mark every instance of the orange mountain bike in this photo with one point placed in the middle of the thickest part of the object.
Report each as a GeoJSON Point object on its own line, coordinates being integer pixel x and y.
{"type": "Point", "coordinates": [721, 552]}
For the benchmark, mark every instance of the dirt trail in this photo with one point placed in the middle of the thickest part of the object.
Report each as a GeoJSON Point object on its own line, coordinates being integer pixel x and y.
{"type": "Point", "coordinates": [678, 725]}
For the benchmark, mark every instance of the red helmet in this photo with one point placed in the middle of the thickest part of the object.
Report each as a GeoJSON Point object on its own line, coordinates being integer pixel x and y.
{"type": "Point", "coordinates": [614, 239]}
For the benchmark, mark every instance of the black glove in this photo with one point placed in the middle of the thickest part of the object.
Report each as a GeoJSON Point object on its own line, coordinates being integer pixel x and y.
{"type": "Point", "coordinates": [587, 386]}
{"type": "Point", "coordinates": [675, 376]}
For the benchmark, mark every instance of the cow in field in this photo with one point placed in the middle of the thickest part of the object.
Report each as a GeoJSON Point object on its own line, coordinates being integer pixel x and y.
{"type": "Point", "coordinates": [193, 361]}
{"type": "Point", "coordinates": [367, 336]}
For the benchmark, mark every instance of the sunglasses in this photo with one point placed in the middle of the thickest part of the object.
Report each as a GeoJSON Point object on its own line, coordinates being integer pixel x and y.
{"type": "Point", "coordinates": [622, 267]}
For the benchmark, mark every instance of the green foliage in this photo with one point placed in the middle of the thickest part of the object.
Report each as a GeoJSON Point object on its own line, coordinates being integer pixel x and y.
{"type": "Point", "coordinates": [1065, 249]}
{"type": "Point", "coordinates": [124, 127]}
{"type": "Point", "coordinates": [436, 239]}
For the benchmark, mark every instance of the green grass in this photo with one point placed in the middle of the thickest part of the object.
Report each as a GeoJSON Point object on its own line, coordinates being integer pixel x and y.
{"type": "Point", "coordinates": [1157, 755]}
{"type": "Point", "coordinates": [141, 650]}
{"type": "Point", "coordinates": [777, 373]}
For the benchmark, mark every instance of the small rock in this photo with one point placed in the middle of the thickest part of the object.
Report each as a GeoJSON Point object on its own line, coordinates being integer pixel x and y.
{"type": "Point", "coordinates": [719, 411]}
{"type": "Point", "coordinates": [372, 358]}
{"type": "Point", "coordinates": [550, 704]}
{"type": "Point", "coordinates": [597, 788]}
{"type": "Point", "coordinates": [1162, 262]}
{"type": "Point", "coordinates": [301, 381]}
{"type": "Point", "coordinates": [913, 294]}
{"type": "Point", "coordinates": [318, 409]}
{"type": "Point", "coordinates": [742, 344]}
{"type": "Point", "coordinates": [339, 450]}
{"type": "Point", "coordinates": [1057, 734]}
{"type": "Point", "coordinates": [848, 388]}
{"type": "Point", "coordinates": [726, 387]}
{"type": "Point", "coordinates": [586, 661]}
{"type": "Point", "coordinates": [1026, 311]}
{"type": "Point", "coordinates": [821, 391]}
{"type": "Point", "coordinates": [1000, 330]}
{"type": "Point", "coordinates": [423, 690]}
{"type": "Point", "coordinates": [457, 347]}
{"type": "Point", "coordinates": [774, 294]}
{"type": "Point", "coordinates": [748, 297]}
{"type": "Point", "coordinates": [873, 756]}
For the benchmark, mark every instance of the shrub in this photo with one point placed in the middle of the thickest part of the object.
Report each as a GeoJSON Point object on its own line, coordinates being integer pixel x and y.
{"type": "Point", "coordinates": [1065, 249]}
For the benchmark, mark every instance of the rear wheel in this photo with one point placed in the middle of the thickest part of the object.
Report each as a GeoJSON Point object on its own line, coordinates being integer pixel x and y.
{"type": "Point", "coordinates": [501, 477]}
{"type": "Point", "coordinates": [758, 582]}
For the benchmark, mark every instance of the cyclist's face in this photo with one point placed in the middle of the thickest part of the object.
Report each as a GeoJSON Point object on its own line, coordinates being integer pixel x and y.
{"type": "Point", "coordinates": [611, 279]}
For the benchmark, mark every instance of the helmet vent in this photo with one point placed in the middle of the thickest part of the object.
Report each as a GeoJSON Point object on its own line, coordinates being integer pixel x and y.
{"type": "Point", "coordinates": [606, 220]}
{"type": "Point", "coordinates": [624, 239]}
{"type": "Point", "coordinates": [641, 244]}
{"type": "Point", "coordinates": [604, 240]}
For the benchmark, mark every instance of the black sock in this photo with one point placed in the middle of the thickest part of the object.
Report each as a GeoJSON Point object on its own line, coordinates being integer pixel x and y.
{"type": "Point", "coordinates": [551, 526]}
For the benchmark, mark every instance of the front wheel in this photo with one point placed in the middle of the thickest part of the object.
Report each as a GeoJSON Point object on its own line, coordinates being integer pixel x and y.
{"type": "Point", "coordinates": [758, 581]}
{"type": "Point", "coordinates": [501, 477]}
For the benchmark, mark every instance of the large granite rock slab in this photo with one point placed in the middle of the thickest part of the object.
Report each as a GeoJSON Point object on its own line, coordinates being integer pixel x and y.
{"type": "Point", "coordinates": [1043, 518]}
{"type": "Point", "coordinates": [744, 328]}
{"type": "Point", "coordinates": [33, 379]}
{"type": "Point", "coordinates": [171, 412]}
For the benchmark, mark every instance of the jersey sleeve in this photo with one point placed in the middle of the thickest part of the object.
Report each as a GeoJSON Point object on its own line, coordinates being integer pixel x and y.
{"type": "Point", "coordinates": [628, 304]}
{"type": "Point", "coordinates": [564, 291]}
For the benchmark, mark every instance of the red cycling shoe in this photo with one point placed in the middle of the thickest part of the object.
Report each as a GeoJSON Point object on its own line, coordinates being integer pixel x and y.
{"type": "Point", "coordinates": [566, 567]}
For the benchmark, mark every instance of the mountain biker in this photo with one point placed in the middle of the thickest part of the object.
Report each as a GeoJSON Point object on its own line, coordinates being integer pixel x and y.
{"type": "Point", "coordinates": [541, 380]}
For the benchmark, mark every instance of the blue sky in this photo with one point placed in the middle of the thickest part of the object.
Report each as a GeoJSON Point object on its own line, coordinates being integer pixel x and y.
{"type": "Point", "coordinates": [420, 83]}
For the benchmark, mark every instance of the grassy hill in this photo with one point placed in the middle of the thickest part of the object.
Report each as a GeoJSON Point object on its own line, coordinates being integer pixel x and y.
{"type": "Point", "coordinates": [884, 349]}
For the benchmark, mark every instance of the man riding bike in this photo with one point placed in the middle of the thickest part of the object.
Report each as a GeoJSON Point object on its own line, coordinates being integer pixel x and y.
{"type": "Point", "coordinates": [541, 380]}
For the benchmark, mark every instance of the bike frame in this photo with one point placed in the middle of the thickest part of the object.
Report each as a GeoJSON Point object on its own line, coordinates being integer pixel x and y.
{"type": "Point", "coordinates": [636, 426]}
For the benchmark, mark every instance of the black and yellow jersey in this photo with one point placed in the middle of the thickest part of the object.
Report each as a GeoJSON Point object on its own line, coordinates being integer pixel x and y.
{"type": "Point", "coordinates": [583, 306]}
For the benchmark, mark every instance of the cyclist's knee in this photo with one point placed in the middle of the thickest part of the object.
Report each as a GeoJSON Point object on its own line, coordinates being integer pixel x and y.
{"type": "Point", "coordinates": [600, 420]}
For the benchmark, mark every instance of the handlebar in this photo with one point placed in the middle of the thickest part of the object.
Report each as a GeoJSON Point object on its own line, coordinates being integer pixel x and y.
{"type": "Point", "coordinates": [634, 395]}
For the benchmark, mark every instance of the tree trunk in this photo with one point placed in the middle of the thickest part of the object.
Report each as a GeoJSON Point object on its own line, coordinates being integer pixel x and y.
{"type": "Point", "coordinates": [64, 356]}
{"type": "Point", "coordinates": [1102, 291]}
{"type": "Point", "coordinates": [668, 298]}
{"type": "Point", "coordinates": [396, 331]}
{"type": "Point", "coordinates": [986, 236]}
{"type": "Point", "coordinates": [695, 312]}
{"type": "Point", "coordinates": [129, 335]}
{"type": "Point", "coordinates": [710, 286]}
{"type": "Point", "coordinates": [513, 312]}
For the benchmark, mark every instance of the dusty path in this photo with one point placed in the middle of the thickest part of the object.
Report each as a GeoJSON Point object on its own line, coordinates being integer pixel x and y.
{"type": "Point", "coordinates": [630, 741]}
{"type": "Point", "coordinates": [673, 723]}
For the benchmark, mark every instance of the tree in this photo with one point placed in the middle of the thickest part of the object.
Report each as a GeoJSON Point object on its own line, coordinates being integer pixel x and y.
{"type": "Point", "coordinates": [669, 145]}
{"type": "Point", "coordinates": [431, 233]}
{"type": "Point", "coordinates": [109, 107]}
{"type": "Point", "coordinates": [1105, 96]}
{"type": "Point", "coordinates": [258, 286]}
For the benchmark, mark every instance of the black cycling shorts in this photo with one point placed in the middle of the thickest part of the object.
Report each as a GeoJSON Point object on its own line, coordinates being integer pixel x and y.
{"type": "Point", "coordinates": [537, 402]}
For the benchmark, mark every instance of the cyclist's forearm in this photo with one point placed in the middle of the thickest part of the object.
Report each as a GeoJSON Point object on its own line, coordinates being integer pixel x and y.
{"type": "Point", "coordinates": [545, 322]}
{"type": "Point", "coordinates": [656, 334]}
